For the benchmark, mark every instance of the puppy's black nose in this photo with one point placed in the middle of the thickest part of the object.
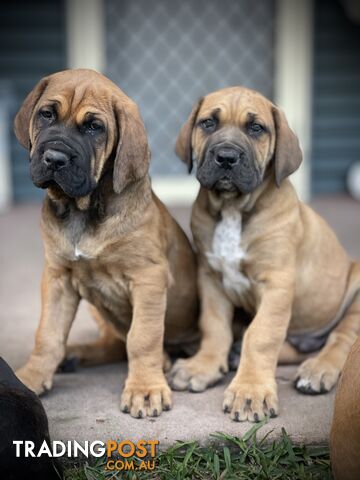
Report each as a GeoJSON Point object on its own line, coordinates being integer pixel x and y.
{"type": "Point", "coordinates": [55, 159]}
{"type": "Point", "coordinates": [227, 157]}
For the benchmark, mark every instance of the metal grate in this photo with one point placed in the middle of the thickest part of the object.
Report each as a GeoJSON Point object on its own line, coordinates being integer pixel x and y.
{"type": "Point", "coordinates": [166, 54]}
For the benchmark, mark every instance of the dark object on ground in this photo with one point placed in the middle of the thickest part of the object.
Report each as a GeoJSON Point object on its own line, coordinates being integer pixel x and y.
{"type": "Point", "coordinates": [22, 417]}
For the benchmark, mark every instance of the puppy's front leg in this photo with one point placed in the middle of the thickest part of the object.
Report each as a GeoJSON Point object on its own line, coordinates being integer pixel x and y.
{"type": "Point", "coordinates": [146, 390]}
{"type": "Point", "coordinates": [252, 394]}
{"type": "Point", "coordinates": [59, 302]}
{"type": "Point", "coordinates": [210, 363]}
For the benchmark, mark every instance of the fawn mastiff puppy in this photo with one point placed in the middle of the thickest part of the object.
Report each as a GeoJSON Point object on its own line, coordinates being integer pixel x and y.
{"type": "Point", "coordinates": [107, 238]}
{"type": "Point", "coordinates": [345, 429]}
{"type": "Point", "coordinates": [262, 249]}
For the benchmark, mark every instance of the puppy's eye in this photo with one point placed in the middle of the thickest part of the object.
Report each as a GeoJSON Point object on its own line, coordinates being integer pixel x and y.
{"type": "Point", "coordinates": [256, 128]}
{"type": "Point", "coordinates": [46, 113]}
{"type": "Point", "coordinates": [209, 124]}
{"type": "Point", "coordinates": [94, 126]}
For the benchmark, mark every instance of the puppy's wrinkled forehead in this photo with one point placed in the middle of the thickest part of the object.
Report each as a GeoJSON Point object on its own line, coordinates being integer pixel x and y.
{"type": "Point", "coordinates": [73, 97]}
{"type": "Point", "coordinates": [236, 106]}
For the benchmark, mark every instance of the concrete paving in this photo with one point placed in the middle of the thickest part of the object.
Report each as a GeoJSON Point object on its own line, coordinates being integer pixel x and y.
{"type": "Point", "coordinates": [85, 405]}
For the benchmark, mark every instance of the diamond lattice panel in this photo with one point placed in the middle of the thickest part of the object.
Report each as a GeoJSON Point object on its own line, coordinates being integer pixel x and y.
{"type": "Point", "coordinates": [166, 54]}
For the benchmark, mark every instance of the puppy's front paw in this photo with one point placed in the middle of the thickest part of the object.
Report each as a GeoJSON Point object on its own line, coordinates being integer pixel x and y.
{"type": "Point", "coordinates": [196, 373]}
{"type": "Point", "coordinates": [316, 375]}
{"type": "Point", "coordinates": [141, 399]}
{"type": "Point", "coordinates": [38, 381]}
{"type": "Point", "coordinates": [251, 401]}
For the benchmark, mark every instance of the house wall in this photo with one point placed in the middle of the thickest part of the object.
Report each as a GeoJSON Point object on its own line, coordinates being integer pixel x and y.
{"type": "Point", "coordinates": [32, 45]}
{"type": "Point", "coordinates": [336, 108]}
{"type": "Point", "coordinates": [194, 48]}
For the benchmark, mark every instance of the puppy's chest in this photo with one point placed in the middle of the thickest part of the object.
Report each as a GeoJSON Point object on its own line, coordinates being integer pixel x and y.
{"type": "Point", "coordinates": [95, 268]}
{"type": "Point", "coordinates": [101, 283]}
{"type": "Point", "coordinates": [227, 253]}
{"type": "Point", "coordinates": [80, 250]}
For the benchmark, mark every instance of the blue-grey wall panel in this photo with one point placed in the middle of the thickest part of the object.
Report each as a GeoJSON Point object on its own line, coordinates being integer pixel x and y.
{"type": "Point", "coordinates": [336, 109]}
{"type": "Point", "coordinates": [32, 44]}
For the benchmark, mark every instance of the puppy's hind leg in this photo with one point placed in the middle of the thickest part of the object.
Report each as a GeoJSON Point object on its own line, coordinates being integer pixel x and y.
{"type": "Point", "coordinates": [319, 374]}
{"type": "Point", "coordinates": [108, 348]}
{"type": "Point", "coordinates": [290, 356]}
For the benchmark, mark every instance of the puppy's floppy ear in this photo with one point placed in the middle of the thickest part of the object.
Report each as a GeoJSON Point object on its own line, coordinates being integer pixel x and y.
{"type": "Point", "coordinates": [288, 155]}
{"type": "Point", "coordinates": [23, 117]}
{"type": "Point", "coordinates": [183, 147]}
{"type": "Point", "coordinates": [132, 153]}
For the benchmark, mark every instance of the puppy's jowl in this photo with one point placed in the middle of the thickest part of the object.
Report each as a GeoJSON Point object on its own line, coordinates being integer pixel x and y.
{"type": "Point", "coordinates": [261, 249]}
{"type": "Point", "coordinates": [107, 238]}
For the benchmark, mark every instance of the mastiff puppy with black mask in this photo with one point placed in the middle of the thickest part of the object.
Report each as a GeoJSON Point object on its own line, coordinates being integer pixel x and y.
{"type": "Point", "coordinates": [261, 249]}
{"type": "Point", "coordinates": [108, 239]}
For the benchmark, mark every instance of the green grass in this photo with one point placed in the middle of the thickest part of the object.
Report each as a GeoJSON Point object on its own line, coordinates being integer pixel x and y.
{"type": "Point", "coordinates": [226, 457]}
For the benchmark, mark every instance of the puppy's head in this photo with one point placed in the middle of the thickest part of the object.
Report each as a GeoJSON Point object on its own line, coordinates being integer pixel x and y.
{"type": "Point", "coordinates": [236, 135]}
{"type": "Point", "coordinates": [77, 125]}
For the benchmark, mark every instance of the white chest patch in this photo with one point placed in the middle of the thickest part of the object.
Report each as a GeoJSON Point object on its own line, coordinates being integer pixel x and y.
{"type": "Point", "coordinates": [79, 254]}
{"type": "Point", "coordinates": [227, 252]}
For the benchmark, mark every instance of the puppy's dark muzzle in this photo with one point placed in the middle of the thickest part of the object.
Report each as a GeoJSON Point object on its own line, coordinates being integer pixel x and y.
{"type": "Point", "coordinates": [65, 163]}
{"type": "Point", "coordinates": [55, 159]}
{"type": "Point", "coordinates": [226, 157]}
{"type": "Point", "coordinates": [229, 165]}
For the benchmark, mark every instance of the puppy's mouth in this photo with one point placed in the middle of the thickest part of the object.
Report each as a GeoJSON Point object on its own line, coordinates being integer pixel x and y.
{"type": "Point", "coordinates": [45, 184]}
{"type": "Point", "coordinates": [225, 184]}
{"type": "Point", "coordinates": [73, 185]}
